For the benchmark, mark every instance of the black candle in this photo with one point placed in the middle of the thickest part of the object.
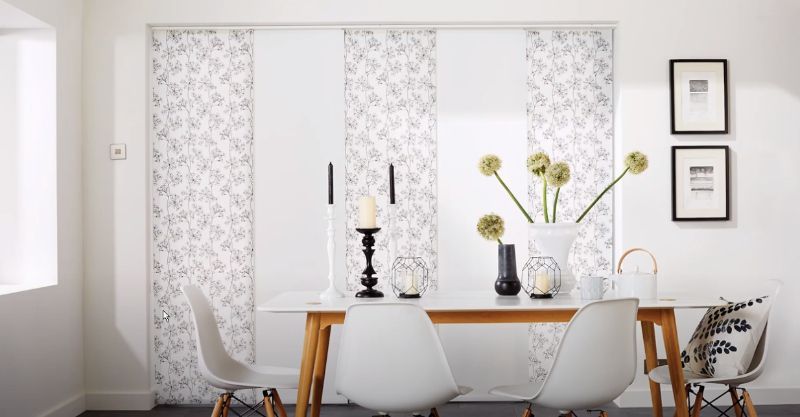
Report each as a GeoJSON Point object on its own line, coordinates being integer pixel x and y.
{"type": "Point", "coordinates": [391, 184]}
{"type": "Point", "coordinates": [330, 183]}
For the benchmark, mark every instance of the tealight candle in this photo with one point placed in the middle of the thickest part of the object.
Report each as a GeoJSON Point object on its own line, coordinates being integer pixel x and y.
{"type": "Point", "coordinates": [412, 284]}
{"type": "Point", "coordinates": [542, 282]}
{"type": "Point", "coordinates": [366, 213]}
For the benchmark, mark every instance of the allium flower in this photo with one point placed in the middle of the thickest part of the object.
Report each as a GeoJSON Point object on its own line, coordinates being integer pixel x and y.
{"type": "Point", "coordinates": [538, 163]}
{"type": "Point", "coordinates": [636, 162]}
{"type": "Point", "coordinates": [557, 174]}
{"type": "Point", "coordinates": [491, 227]}
{"type": "Point", "coordinates": [489, 164]}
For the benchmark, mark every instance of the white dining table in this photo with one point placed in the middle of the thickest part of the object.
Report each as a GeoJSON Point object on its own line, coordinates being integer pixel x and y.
{"type": "Point", "coordinates": [481, 307]}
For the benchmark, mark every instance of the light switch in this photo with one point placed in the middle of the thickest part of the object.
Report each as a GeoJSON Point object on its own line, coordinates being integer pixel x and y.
{"type": "Point", "coordinates": [118, 151]}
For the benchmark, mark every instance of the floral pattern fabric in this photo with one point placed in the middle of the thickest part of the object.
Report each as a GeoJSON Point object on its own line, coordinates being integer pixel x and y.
{"type": "Point", "coordinates": [570, 117]}
{"type": "Point", "coordinates": [202, 161]}
{"type": "Point", "coordinates": [390, 117]}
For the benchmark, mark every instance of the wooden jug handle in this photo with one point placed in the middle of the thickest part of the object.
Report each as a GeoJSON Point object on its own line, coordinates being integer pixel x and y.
{"type": "Point", "coordinates": [629, 251]}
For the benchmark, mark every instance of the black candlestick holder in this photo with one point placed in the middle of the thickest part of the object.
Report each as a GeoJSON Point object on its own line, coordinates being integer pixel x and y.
{"type": "Point", "coordinates": [367, 279]}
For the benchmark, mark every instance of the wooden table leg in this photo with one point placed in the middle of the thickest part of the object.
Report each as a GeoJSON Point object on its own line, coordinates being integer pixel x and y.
{"type": "Point", "coordinates": [651, 361]}
{"type": "Point", "coordinates": [307, 363]}
{"type": "Point", "coordinates": [320, 364]}
{"type": "Point", "coordinates": [670, 334]}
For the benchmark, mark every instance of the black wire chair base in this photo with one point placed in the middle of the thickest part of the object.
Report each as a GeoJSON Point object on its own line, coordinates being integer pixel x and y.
{"type": "Point", "coordinates": [697, 390]}
{"type": "Point", "coordinates": [252, 409]}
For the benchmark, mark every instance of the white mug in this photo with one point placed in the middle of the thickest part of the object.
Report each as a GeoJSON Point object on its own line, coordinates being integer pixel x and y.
{"type": "Point", "coordinates": [593, 288]}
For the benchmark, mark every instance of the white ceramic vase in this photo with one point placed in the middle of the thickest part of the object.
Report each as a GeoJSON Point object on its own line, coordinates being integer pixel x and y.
{"type": "Point", "coordinates": [555, 240]}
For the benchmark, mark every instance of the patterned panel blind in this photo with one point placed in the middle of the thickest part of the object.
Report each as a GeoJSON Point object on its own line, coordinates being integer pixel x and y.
{"type": "Point", "coordinates": [390, 117]}
{"type": "Point", "coordinates": [570, 116]}
{"type": "Point", "coordinates": [202, 137]}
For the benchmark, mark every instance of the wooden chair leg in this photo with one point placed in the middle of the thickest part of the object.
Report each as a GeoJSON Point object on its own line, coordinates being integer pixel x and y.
{"type": "Point", "coordinates": [227, 404]}
{"type": "Point", "coordinates": [268, 404]}
{"type": "Point", "coordinates": [218, 406]}
{"type": "Point", "coordinates": [735, 400]}
{"type": "Point", "coordinates": [278, 403]}
{"type": "Point", "coordinates": [748, 404]}
{"type": "Point", "coordinates": [434, 412]}
{"type": "Point", "coordinates": [603, 414]}
{"type": "Point", "coordinates": [527, 412]}
{"type": "Point", "coordinates": [698, 402]}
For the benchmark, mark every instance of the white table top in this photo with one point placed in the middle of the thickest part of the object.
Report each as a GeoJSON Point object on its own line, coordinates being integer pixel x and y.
{"type": "Point", "coordinates": [309, 301]}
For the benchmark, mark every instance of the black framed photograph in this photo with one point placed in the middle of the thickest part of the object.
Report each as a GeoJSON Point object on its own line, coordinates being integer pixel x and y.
{"type": "Point", "coordinates": [700, 183]}
{"type": "Point", "coordinates": [698, 96]}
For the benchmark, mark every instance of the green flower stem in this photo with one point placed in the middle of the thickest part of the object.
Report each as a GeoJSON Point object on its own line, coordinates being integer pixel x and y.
{"type": "Point", "coordinates": [596, 199]}
{"type": "Point", "coordinates": [555, 203]}
{"type": "Point", "coordinates": [544, 199]}
{"type": "Point", "coordinates": [499, 242]}
{"type": "Point", "coordinates": [527, 216]}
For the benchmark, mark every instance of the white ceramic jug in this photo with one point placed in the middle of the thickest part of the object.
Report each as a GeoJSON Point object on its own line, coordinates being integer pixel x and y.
{"type": "Point", "coordinates": [635, 284]}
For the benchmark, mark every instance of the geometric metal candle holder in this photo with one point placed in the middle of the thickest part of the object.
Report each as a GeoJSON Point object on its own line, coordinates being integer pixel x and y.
{"type": "Point", "coordinates": [542, 277]}
{"type": "Point", "coordinates": [409, 277]}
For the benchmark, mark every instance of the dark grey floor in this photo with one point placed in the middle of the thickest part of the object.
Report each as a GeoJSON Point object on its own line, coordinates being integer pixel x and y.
{"type": "Point", "coordinates": [449, 410]}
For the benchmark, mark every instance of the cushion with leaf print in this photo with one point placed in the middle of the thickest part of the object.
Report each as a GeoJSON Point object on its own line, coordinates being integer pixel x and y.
{"type": "Point", "coordinates": [724, 342]}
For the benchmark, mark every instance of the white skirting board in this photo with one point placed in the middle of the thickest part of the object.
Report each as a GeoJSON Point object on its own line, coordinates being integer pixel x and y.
{"type": "Point", "coordinates": [630, 399]}
{"type": "Point", "coordinates": [120, 400]}
{"type": "Point", "coordinates": [70, 407]}
{"type": "Point", "coordinates": [761, 396]}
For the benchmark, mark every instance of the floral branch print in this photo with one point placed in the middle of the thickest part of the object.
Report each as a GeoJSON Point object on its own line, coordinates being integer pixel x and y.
{"type": "Point", "coordinates": [570, 114]}
{"type": "Point", "coordinates": [390, 117]}
{"type": "Point", "coordinates": [202, 133]}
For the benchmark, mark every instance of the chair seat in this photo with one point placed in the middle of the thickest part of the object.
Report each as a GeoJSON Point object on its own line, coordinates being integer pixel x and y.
{"type": "Point", "coordinates": [463, 390]}
{"type": "Point", "coordinates": [245, 376]}
{"type": "Point", "coordinates": [661, 376]}
{"type": "Point", "coordinates": [524, 392]}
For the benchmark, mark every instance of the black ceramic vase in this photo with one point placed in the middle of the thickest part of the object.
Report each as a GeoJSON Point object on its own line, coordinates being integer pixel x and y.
{"type": "Point", "coordinates": [507, 282]}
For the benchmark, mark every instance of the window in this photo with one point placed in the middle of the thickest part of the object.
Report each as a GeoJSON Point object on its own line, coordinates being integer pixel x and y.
{"type": "Point", "coordinates": [28, 217]}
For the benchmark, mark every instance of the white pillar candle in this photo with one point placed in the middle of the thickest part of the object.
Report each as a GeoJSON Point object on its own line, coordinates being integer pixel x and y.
{"type": "Point", "coordinates": [366, 212]}
{"type": "Point", "coordinates": [542, 282]}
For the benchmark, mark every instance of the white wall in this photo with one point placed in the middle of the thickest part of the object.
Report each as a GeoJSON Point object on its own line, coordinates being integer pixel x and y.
{"type": "Point", "coordinates": [41, 370]}
{"type": "Point", "coordinates": [757, 38]}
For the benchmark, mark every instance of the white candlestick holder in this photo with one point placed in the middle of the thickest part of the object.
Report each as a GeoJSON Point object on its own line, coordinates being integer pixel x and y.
{"type": "Point", "coordinates": [332, 291]}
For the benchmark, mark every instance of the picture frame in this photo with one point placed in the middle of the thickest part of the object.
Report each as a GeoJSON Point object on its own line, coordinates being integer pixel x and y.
{"type": "Point", "coordinates": [698, 96]}
{"type": "Point", "coordinates": [700, 183]}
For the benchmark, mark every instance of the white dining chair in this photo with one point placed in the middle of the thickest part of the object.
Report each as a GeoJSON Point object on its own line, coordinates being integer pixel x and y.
{"type": "Point", "coordinates": [594, 363]}
{"type": "Point", "coordinates": [391, 360]}
{"type": "Point", "coordinates": [228, 374]}
{"type": "Point", "coordinates": [741, 402]}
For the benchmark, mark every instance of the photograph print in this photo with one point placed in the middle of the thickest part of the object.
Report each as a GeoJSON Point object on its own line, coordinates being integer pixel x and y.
{"type": "Point", "coordinates": [698, 96]}
{"type": "Point", "coordinates": [700, 183]}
